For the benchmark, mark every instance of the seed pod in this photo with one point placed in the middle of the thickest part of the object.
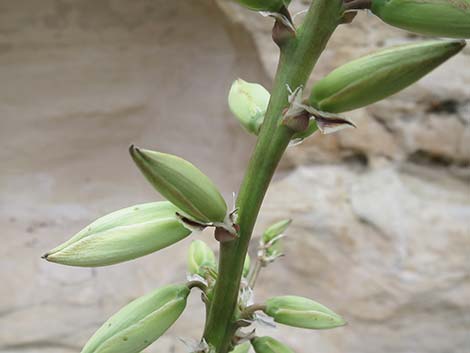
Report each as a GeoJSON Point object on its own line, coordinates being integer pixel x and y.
{"type": "Point", "coordinates": [269, 345]}
{"type": "Point", "coordinates": [140, 323]}
{"type": "Point", "coordinates": [201, 257]}
{"type": "Point", "coordinates": [275, 230]}
{"type": "Point", "coordinates": [246, 265]}
{"type": "Point", "coordinates": [271, 242]}
{"type": "Point", "coordinates": [248, 102]}
{"type": "Point", "coordinates": [442, 18]}
{"type": "Point", "coordinates": [302, 312]}
{"type": "Point", "coordinates": [264, 5]}
{"type": "Point", "coordinates": [182, 184]}
{"type": "Point", "coordinates": [121, 236]}
{"type": "Point", "coordinates": [241, 348]}
{"type": "Point", "coordinates": [379, 75]}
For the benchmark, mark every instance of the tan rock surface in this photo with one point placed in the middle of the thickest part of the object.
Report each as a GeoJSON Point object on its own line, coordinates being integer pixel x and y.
{"type": "Point", "coordinates": [388, 249]}
{"type": "Point", "coordinates": [81, 81]}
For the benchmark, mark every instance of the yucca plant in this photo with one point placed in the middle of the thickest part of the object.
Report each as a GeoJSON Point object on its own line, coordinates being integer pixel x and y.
{"type": "Point", "coordinates": [277, 118]}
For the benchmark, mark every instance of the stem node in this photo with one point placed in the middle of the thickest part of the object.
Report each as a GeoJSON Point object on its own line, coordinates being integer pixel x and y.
{"type": "Point", "coordinates": [283, 32]}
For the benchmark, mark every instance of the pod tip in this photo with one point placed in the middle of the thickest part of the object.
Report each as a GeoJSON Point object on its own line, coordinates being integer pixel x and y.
{"type": "Point", "coordinates": [459, 43]}
{"type": "Point", "coordinates": [133, 149]}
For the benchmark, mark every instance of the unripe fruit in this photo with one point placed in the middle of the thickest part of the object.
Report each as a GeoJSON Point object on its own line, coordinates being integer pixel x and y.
{"type": "Point", "coordinates": [182, 184]}
{"type": "Point", "coordinates": [376, 76]}
{"type": "Point", "coordinates": [442, 18]}
{"type": "Point", "coordinates": [269, 345]}
{"type": "Point", "coordinates": [264, 5]}
{"type": "Point", "coordinates": [275, 247]}
{"type": "Point", "coordinates": [121, 236]}
{"type": "Point", "coordinates": [140, 323]}
{"type": "Point", "coordinates": [246, 265]}
{"type": "Point", "coordinates": [275, 230]}
{"type": "Point", "coordinates": [200, 258]}
{"type": "Point", "coordinates": [241, 348]}
{"type": "Point", "coordinates": [302, 312]}
{"type": "Point", "coordinates": [248, 102]}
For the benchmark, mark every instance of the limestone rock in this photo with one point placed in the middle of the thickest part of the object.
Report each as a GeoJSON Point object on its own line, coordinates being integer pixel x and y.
{"type": "Point", "coordinates": [387, 249]}
{"type": "Point", "coordinates": [81, 81]}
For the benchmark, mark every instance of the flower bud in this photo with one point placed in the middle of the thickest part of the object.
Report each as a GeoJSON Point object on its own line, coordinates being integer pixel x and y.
{"type": "Point", "coordinates": [269, 345]}
{"type": "Point", "coordinates": [241, 348]}
{"type": "Point", "coordinates": [140, 323]}
{"type": "Point", "coordinates": [182, 184]}
{"type": "Point", "coordinates": [248, 102]}
{"type": "Point", "coordinates": [264, 5]}
{"type": "Point", "coordinates": [246, 266]}
{"type": "Point", "coordinates": [201, 257]}
{"type": "Point", "coordinates": [302, 312]}
{"type": "Point", "coordinates": [121, 236]}
{"type": "Point", "coordinates": [376, 76]}
{"type": "Point", "coordinates": [441, 18]}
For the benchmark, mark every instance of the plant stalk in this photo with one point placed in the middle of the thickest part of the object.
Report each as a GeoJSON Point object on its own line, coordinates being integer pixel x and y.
{"type": "Point", "coordinates": [254, 275]}
{"type": "Point", "coordinates": [297, 59]}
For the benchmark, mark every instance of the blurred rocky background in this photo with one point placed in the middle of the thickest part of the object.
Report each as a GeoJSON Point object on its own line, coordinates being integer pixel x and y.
{"type": "Point", "coordinates": [381, 229]}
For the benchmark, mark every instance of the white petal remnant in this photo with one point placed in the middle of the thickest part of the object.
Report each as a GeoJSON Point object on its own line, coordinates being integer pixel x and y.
{"type": "Point", "coordinates": [195, 346]}
{"type": "Point", "coordinates": [286, 21]}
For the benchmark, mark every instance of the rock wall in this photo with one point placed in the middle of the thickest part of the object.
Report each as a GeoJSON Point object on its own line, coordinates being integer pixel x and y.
{"type": "Point", "coordinates": [81, 81]}
{"type": "Point", "coordinates": [381, 213]}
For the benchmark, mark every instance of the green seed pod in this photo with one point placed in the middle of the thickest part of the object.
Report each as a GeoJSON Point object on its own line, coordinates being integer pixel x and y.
{"type": "Point", "coordinates": [246, 265]}
{"type": "Point", "coordinates": [140, 323]}
{"type": "Point", "coordinates": [275, 230]}
{"type": "Point", "coordinates": [182, 184]}
{"type": "Point", "coordinates": [201, 257]}
{"type": "Point", "coordinates": [302, 312]}
{"type": "Point", "coordinates": [248, 102]}
{"type": "Point", "coordinates": [442, 18]}
{"type": "Point", "coordinates": [269, 345]}
{"type": "Point", "coordinates": [376, 76]}
{"type": "Point", "coordinates": [241, 348]}
{"type": "Point", "coordinates": [121, 236]}
{"type": "Point", "coordinates": [264, 5]}
{"type": "Point", "coordinates": [274, 247]}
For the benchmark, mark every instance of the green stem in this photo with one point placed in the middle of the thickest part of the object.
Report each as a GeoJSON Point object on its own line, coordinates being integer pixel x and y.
{"type": "Point", "coordinates": [298, 57]}
{"type": "Point", "coordinates": [254, 275]}
{"type": "Point", "coordinates": [249, 311]}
